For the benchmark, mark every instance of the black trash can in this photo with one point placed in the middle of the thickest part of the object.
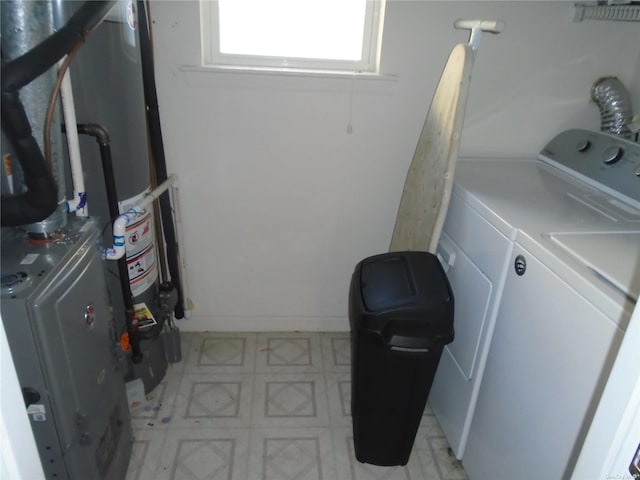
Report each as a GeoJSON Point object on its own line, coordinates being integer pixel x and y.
{"type": "Point", "coordinates": [401, 315]}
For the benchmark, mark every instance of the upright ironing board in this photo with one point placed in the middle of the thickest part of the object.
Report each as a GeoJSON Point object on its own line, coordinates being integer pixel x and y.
{"type": "Point", "coordinates": [427, 188]}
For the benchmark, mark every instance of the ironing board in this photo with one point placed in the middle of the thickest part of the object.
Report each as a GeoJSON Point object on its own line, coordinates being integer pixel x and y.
{"type": "Point", "coordinates": [427, 188]}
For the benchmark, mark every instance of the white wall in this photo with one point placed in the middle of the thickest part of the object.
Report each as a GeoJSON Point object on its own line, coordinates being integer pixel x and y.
{"type": "Point", "coordinates": [17, 444]}
{"type": "Point", "coordinates": [279, 202]}
{"type": "Point", "coordinates": [612, 439]}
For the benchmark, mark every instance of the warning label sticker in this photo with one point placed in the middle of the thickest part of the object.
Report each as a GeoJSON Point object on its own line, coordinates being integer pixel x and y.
{"type": "Point", "coordinates": [140, 247]}
{"type": "Point", "coordinates": [139, 235]}
{"type": "Point", "coordinates": [142, 270]}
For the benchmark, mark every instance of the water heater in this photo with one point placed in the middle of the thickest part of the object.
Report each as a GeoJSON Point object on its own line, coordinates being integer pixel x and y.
{"type": "Point", "coordinates": [107, 81]}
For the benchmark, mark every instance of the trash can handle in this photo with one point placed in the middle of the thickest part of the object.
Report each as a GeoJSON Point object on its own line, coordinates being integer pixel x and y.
{"type": "Point", "coordinates": [409, 335]}
{"type": "Point", "coordinates": [406, 334]}
{"type": "Point", "coordinates": [409, 349]}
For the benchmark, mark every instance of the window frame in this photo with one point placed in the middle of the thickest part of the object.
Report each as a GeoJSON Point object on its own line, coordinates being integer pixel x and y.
{"type": "Point", "coordinates": [368, 63]}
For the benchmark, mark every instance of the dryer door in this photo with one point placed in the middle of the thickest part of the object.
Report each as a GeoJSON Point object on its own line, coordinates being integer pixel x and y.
{"type": "Point", "coordinates": [473, 288]}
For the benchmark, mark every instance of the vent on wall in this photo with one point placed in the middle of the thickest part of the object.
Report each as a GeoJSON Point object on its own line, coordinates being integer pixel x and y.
{"type": "Point", "coordinates": [599, 11]}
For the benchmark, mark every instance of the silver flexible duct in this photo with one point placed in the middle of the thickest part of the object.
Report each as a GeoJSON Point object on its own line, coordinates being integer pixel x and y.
{"type": "Point", "coordinates": [614, 103]}
{"type": "Point", "coordinates": [25, 23]}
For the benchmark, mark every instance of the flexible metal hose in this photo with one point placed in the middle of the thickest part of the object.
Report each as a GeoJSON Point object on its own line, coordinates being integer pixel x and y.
{"type": "Point", "coordinates": [615, 106]}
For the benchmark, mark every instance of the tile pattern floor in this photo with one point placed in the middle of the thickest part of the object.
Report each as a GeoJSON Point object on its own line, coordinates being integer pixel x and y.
{"type": "Point", "coordinates": [265, 406]}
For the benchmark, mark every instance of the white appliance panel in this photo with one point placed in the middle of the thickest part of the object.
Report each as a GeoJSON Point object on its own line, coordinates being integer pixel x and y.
{"type": "Point", "coordinates": [600, 254]}
{"type": "Point", "coordinates": [550, 355]}
{"type": "Point", "coordinates": [474, 290]}
{"type": "Point", "coordinates": [560, 322]}
{"type": "Point", "coordinates": [475, 255]}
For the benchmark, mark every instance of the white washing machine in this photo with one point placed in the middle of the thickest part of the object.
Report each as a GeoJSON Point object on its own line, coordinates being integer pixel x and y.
{"type": "Point", "coordinates": [544, 260]}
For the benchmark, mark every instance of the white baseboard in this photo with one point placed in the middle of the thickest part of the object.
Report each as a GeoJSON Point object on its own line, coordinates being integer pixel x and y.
{"type": "Point", "coordinates": [222, 323]}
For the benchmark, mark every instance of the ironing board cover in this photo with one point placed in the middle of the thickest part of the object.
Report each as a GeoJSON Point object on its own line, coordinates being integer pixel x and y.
{"type": "Point", "coordinates": [427, 188]}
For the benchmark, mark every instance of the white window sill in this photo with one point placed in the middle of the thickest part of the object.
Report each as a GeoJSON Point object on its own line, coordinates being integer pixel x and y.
{"type": "Point", "coordinates": [365, 82]}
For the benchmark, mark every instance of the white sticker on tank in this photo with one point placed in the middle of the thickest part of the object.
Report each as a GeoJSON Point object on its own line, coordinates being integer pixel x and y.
{"type": "Point", "coordinates": [139, 235]}
{"type": "Point", "coordinates": [140, 247]}
{"type": "Point", "coordinates": [35, 408]}
{"type": "Point", "coordinates": [29, 258]}
{"type": "Point", "coordinates": [142, 270]}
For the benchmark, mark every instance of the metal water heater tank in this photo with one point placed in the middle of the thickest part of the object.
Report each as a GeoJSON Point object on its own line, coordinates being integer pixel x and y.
{"type": "Point", "coordinates": [108, 90]}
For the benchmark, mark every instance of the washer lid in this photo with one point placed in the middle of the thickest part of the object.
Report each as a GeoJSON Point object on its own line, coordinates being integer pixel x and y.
{"type": "Point", "coordinates": [612, 256]}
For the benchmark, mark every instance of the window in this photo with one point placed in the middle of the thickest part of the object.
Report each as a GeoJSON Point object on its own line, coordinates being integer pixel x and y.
{"type": "Point", "coordinates": [342, 35]}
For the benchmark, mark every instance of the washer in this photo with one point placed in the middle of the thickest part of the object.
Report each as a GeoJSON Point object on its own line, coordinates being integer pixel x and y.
{"type": "Point", "coordinates": [564, 282]}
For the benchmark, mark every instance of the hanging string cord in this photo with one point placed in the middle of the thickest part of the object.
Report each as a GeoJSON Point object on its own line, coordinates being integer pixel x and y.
{"type": "Point", "coordinates": [353, 81]}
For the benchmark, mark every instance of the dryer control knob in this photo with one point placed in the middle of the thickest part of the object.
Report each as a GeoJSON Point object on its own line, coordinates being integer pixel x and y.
{"type": "Point", "coordinates": [520, 265]}
{"type": "Point", "coordinates": [583, 145]}
{"type": "Point", "coordinates": [612, 154]}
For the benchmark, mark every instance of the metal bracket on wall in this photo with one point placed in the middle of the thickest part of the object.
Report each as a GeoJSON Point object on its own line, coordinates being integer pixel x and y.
{"type": "Point", "coordinates": [614, 12]}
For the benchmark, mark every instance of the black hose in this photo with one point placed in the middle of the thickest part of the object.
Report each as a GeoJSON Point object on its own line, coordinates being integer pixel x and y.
{"type": "Point", "coordinates": [157, 152]}
{"type": "Point", "coordinates": [41, 198]}
{"type": "Point", "coordinates": [23, 70]}
{"type": "Point", "coordinates": [101, 135]}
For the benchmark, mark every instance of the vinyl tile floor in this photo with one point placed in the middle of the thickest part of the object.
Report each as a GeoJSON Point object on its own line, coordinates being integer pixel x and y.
{"type": "Point", "coordinates": [266, 406]}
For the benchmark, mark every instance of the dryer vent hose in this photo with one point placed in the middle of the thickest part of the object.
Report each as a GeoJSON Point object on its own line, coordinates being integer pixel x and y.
{"type": "Point", "coordinates": [614, 103]}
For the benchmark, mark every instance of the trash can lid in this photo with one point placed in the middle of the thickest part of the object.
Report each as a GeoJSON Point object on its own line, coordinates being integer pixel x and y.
{"type": "Point", "coordinates": [401, 279]}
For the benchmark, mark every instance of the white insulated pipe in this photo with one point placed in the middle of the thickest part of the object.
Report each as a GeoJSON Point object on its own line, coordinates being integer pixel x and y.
{"type": "Point", "coordinates": [78, 203]}
{"type": "Point", "coordinates": [139, 209]}
{"type": "Point", "coordinates": [186, 302]}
